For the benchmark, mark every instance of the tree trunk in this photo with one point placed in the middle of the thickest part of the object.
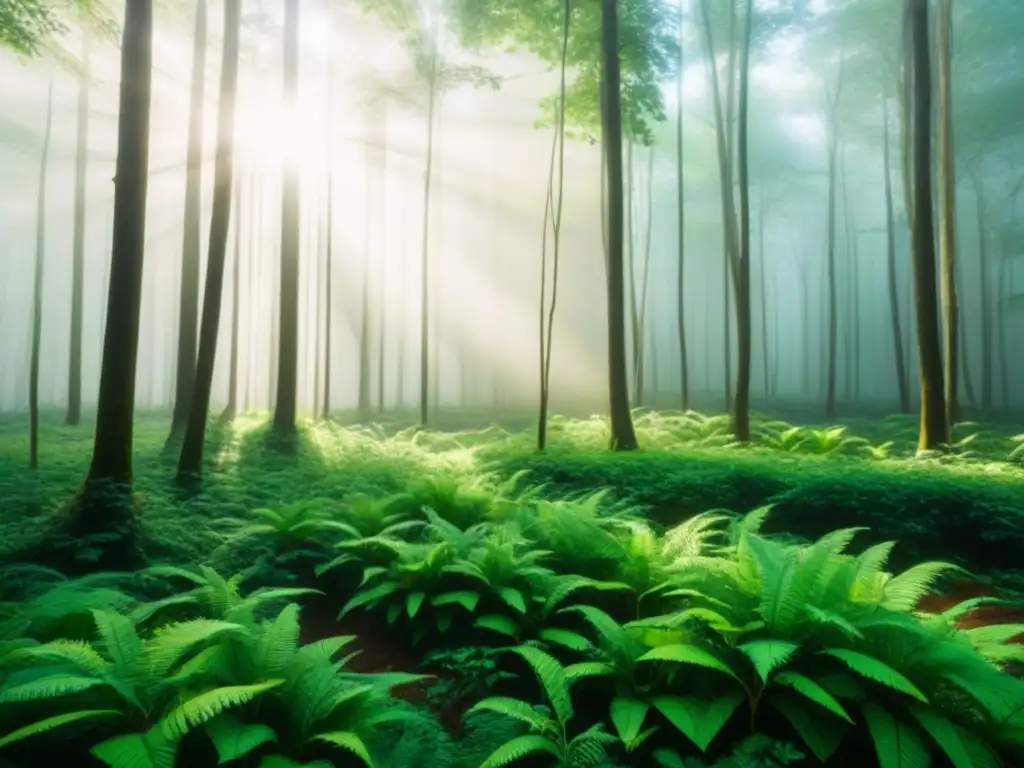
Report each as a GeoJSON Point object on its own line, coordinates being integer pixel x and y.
{"type": "Point", "coordinates": [623, 437]}
{"type": "Point", "coordinates": [231, 409]}
{"type": "Point", "coordinates": [190, 462]}
{"type": "Point", "coordinates": [634, 320]}
{"type": "Point", "coordinates": [984, 287]}
{"type": "Point", "coordinates": [37, 291]}
{"type": "Point", "coordinates": [645, 283]}
{"type": "Point", "coordinates": [364, 317]}
{"type": "Point", "coordinates": [934, 430]}
{"type": "Point", "coordinates": [833, 309]}
{"type": "Point", "coordinates": [684, 372]}
{"type": "Point", "coordinates": [111, 467]}
{"type": "Point", "coordinates": [762, 270]}
{"type": "Point", "coordinates": [432, 86]}
{"type": "Point", "coordinates": [188, 308]}
{"type": "Point", "coordinates": [74, 414]}
{"type": "Point", "coordinates": [288, 342]}
{"type": "Point", "coordinates": [947, 212]}
{"type": "Point", "coordinates": [382, 224]}
{"type": "Point", "coordinates": [744, 334]}
{"type": "Point", "coordinates": [553, 206]}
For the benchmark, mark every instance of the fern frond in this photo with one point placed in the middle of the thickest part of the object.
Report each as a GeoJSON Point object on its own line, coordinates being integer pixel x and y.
{"type": "Point", "coordinates": [520, 747]}
{"type": "Point", "coordinates": [202, 708]}
{"type": "Point", "coordinates": [56, 722]}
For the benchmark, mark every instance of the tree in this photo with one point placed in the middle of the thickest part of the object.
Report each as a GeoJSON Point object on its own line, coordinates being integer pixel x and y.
{"type": "Point", "coordinates": [37, 290]}
{"type": "Point", "coordinates": [99, 510]}
{"type": "Point", "coordinates": [288, 305]}
{"type": "Point", "coordinates": [623, 437]}
{"type": "Point", "coordinates": [893, 285]}
{"type": "Point", "coordinates": [834, 101]}
{"type": "Point", "coordinates": [934, 429]}
{"type": "Point", "coordinates": [741, 412]}
{"type": "Point", "coordinates": [684, 373]}
{"type": "Point", "coordinates": [191, 460]}
{"type": "Point", "coordinates": [947, 209]}
{"type": "Point", "coordinates": [188, 307]}
{"type": "Point", "coordinates": [231, 409]}
{"type": "Point", "coordinates": [74, 414]}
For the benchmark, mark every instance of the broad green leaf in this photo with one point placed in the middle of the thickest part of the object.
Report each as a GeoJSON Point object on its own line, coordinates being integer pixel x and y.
{"type": "Point", "coordinates": [48, 724]}
{"type": "Point", "coordinates": [945, 734]}
{"type": "Point", "coordinates": [466, 598]}
{"type": "Point", "coordinates": [897, 744]}
{"type": "Point", "coordinates": [513, 597]}
{"type": "Point", "coordinates": [628, 717]}
{"type": "Point", "coordinates": [873, 669]}
{"type": "Point", "coordinates": [821, 734]}
{"type": "Point", "coordinates": [768, 655]}
{"type": "Point", "coordinates": [687, 654]}
{"type": "Point", "coordinates": [234, 739]}
{"type": "Point", "coordinates": [809, 688]}
{"type": "Point", "coordinates": [520, 747]}
{"type": "Point", "coordinates": [413, 601]}
{"type": "Point", "coordinates": [497, 623]}
{"type": "Point", "coordinates": [348, 741]}
{"type": "Point", "coordinates": [698, 719]}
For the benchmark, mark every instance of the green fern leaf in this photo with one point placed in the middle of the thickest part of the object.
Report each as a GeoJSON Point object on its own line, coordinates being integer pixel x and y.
{"type": "Point", "coordinates": [809, 688]}
{"type": "Point", "coordinates": [173, 642]}
{"type": "Point", "coordinates": [413, 601]}
{"type": "Point", "coordinates": [552, 679]}
{"type": "Point", "coordinates": [831, 619]}
{"type": "Point", "coordinates": [578, 671]}
{"type": "Point", "coordinates": [348, 741]}
{"type": "Point", "coordinates": [514, 708]}
{"type": "Point", "coordinates": [466, 598]}
{"type": "Point", "coordinates": [513, 598]}
{"type": "Point", "coordinates": [277, 644]}
{"type": "Point", "coordinates": [520, 747]}
{"type": "Point", "coordinates": [777, 569]}
{"type": "Point", "coordinates": [698, 719]}
{"type": "Point", "coordinates": [77, 654]}
{"type": "Point", "coordinates": [200, 709]}
{"type": "Point", "coordinates": [904, 592]}
{"type": "Point", "coordinates": [768, 655]}
{"type": "Point", "coordinates": [119, 640]}
{"type": "Point", "coordinates": [564, 638]}
{"type": "Point", "coordinates": [873, 669]}
{"type": "Point", "coordinates": [628, 717]}
{"type": "Point", "coordinates": [280, 761]}
{"type": "Point", "coordinates": [57, 721]}
{"type": "Point", "coordinates": [820, 734]}
{"type": "Point", "coordinates": [668, 758]}
{"type": "Point", "coordinates": [897, 744]}
{"type": "Point", "coordinates": [137, 750]}
{"type": "Point", "coordinates": [48, 688]}
{"type": "Point", "coordinates": [234, 739]}
{"type": "Point", "coordinates": [369, 596]}
{"type": "Point", "coordinates": [497, 623]}
{"type": "Point", "coordinates": [688, 654]}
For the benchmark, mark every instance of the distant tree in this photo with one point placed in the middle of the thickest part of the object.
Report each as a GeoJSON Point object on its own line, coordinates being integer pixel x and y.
{"type": "Point", "coordinates": [188, 307]}
{"type": "Point", "coordinates": [190, 462]}
{"type": "Point", "coordinates": [684, 371]}
{"type": "Point", "coordinates": [741, 411]}
{"type": "Point", "coordinates": [37, 290]}
{"type": "Point", "coordinates": [893, 286]}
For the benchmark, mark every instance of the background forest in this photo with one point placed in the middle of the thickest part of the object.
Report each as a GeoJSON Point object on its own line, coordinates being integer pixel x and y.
{"type": "Point", "coordinates": [320, 299]}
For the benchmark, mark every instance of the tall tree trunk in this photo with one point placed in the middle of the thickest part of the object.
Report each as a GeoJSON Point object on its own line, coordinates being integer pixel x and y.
{"type": "Point", "coordinates": [744, 332]}
{"type": "Point", "coordinates": [684, 371]}
{"type": "Point", "coordinates": [231, 409]}
{"type": "Point", "coordinates": [74, 414]}
{"type": "Point", "coordinates": [382, 258]}
{"type": "Point", "coordinates": [634, 319]}
{"type": "Point", "coordinates": [190, 463]}
{"type": "Point", "coordinates": [833, 309]}
{"type": "Point", "coordinates": [288, 341]}
{"type": "Point", "coordinates": [552, 207]}
{"type": "Point", "coordinates": [762, 271]}
{"type": "Point", "coordinates": [947, 211]}
{"type": "Point", "coordinates": [623, 437]}
{"type": "Point", "coordinates": [934, 431]}
{"type": "Point", "coordinates": [37, 290]}
{"type": "Point", "coordinates": [364, 317]}
{"type": "Point", "coordinates": [1001, 335]}
{"type": "Point", "coordinates": [98, 509]}
{"type": "Point", "coordinates": [645, 282]}
{"type": "Point", "coordinates": [329, 276]}
{"type": "Point", "coordinates": [432, 86]}
{"type": "Point", "coordinates": [984, 287]}
{"type": "Point", "coordinates": [188, 307]}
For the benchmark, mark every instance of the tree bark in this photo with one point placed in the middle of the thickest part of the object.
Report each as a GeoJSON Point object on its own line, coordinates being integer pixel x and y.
{"type": "Point", "coordinates": [984, 287]}
{"type": "Point", "coordinates": [432, 86]}
{"type": "Point", "coordinates": [947, 211]}
{"type": "Point", "coordinates": [288, 342]}
{"type": "Point", "coordinates": [37, 290]}
{"type": "Point", "coordinates": [833, 309]}
{"type": "Point", "coordinates": [190, 463]}
{"type": "Point", "coordinates": [623, 437]}
{"type": "Point", "coordinates": [934, 428]}
{"type": "Point", "coordinates": [684, 372]}
{"type": "Point", "coordinates": [188, 307]}
{"type": "Point", "coordinates": [74, 414]}
{"type": "Point", "coordinates": [231, 409]}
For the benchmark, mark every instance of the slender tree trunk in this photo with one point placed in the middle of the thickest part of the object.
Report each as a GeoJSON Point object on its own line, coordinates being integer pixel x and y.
{"type": "Point", "coordinates": [382, 258]}
{"type": "Point", "coordinates": [744, 331]}
{"type": "Point", "coordinates": [188, 308]}
{"type": "Point", "coordinates": [364, 318]}
{"type": "Point", "coordinates": [947, 211]}
{"type": "Point", "coordinates": [111, 467]}
{"type": "Point", "coordinates": [1003, 342]}
{"type": "Point", "coordinates": [329, 276]}
{"type": "Point", "coordinates": [623, 437]}
{"type": "Point", "coordinates": [833, 309]}
{"type": "Point", "coordinates": [231, 409]}
{"type": "Point", "coordinates": [984, 287]}
{"type": "Point", "coordinates": [934, 430]}
{"type": "Point", "coordinates": [190, 463]}
{"type": "Point", "coordinates": [288, 342]}
{"type": "Point", "coordinates": [553, 206]}
{"type": "Point", "coordinates": [762, 271]}
{"type": "Point", "coordinates": [74, 414]}
{"type": "Point", "coordinates": [37, 290]}
{"type": "Point", "coordinates": [684, 372]}
{"type": "Point", "coordinates": [425, 257]}
{"type": "Point", "coordinates": [645, 283]}
{"type": "Point", "coordinates": [634, 319]}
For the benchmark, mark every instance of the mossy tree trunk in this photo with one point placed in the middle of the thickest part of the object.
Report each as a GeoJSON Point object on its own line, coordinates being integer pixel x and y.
{"type": "Point", "coordinates": [37, 291]}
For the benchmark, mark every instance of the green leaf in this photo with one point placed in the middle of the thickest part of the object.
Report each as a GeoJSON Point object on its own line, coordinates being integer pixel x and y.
{"type": "Point", "coordinates": [698, 719]}
{"type": "Point", "coordinates": [945, 734]}
{"type": "Point", "coordinates": [687, 654]}
{"type": "Point", "coordinates": [574, 641]}
{"type": "Point", "coordinates": [370, 596]}
{"type": "Point", "coordinates": [394, 611]}
{"type": "Point", "coordinates": [809, 688]}
{"type": "Point", "coordinates": [897, 744]}
{"type": "Point", "coordinates": [513, 597]}
{"type": "Point", "coordinates": [466, 598]}
{"type": "Point", "coordinates": [348, 741]}
{"type": "Point", "coordinates": [48, 688]}
{"type": "Point", "coordinates": [768, 655]}
{"type": "Point", "coordinates": [497, 623]}
{"type": "Point", "coordinates": [413, 601]}
{"type": "Point", "coordinates": [551, 677]}
{"type": "Point", "coordinates": [514, 708]}
{"type": "Point", "coordinates": [822, 735]}
{"type": "Point", "coordinates": [234, 739]}
{"type": "Point", "coordinates": [57, 721]}
{"type": "Point", "coordinates": [628, 717]}
{"type": "Point", "coordinates": [873, 669]}
{"type": "Point", "coordinates": [444, 621]}
{"type": "Point", "coordinates": [138, 750]}
{"type": "Point", "coordinates": [207, 705]}
{"type": "Point", "coordinates": [518, 748]}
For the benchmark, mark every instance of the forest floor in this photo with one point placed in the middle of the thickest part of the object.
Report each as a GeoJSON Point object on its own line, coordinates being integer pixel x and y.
{"type": "Point", "coordinates": [966, 507]}
{"type": "Point", "coordinates": [274, 517]}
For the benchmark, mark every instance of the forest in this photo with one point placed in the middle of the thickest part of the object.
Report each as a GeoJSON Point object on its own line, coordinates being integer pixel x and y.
{"type": "Point", "coordinates": [481, 383]}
